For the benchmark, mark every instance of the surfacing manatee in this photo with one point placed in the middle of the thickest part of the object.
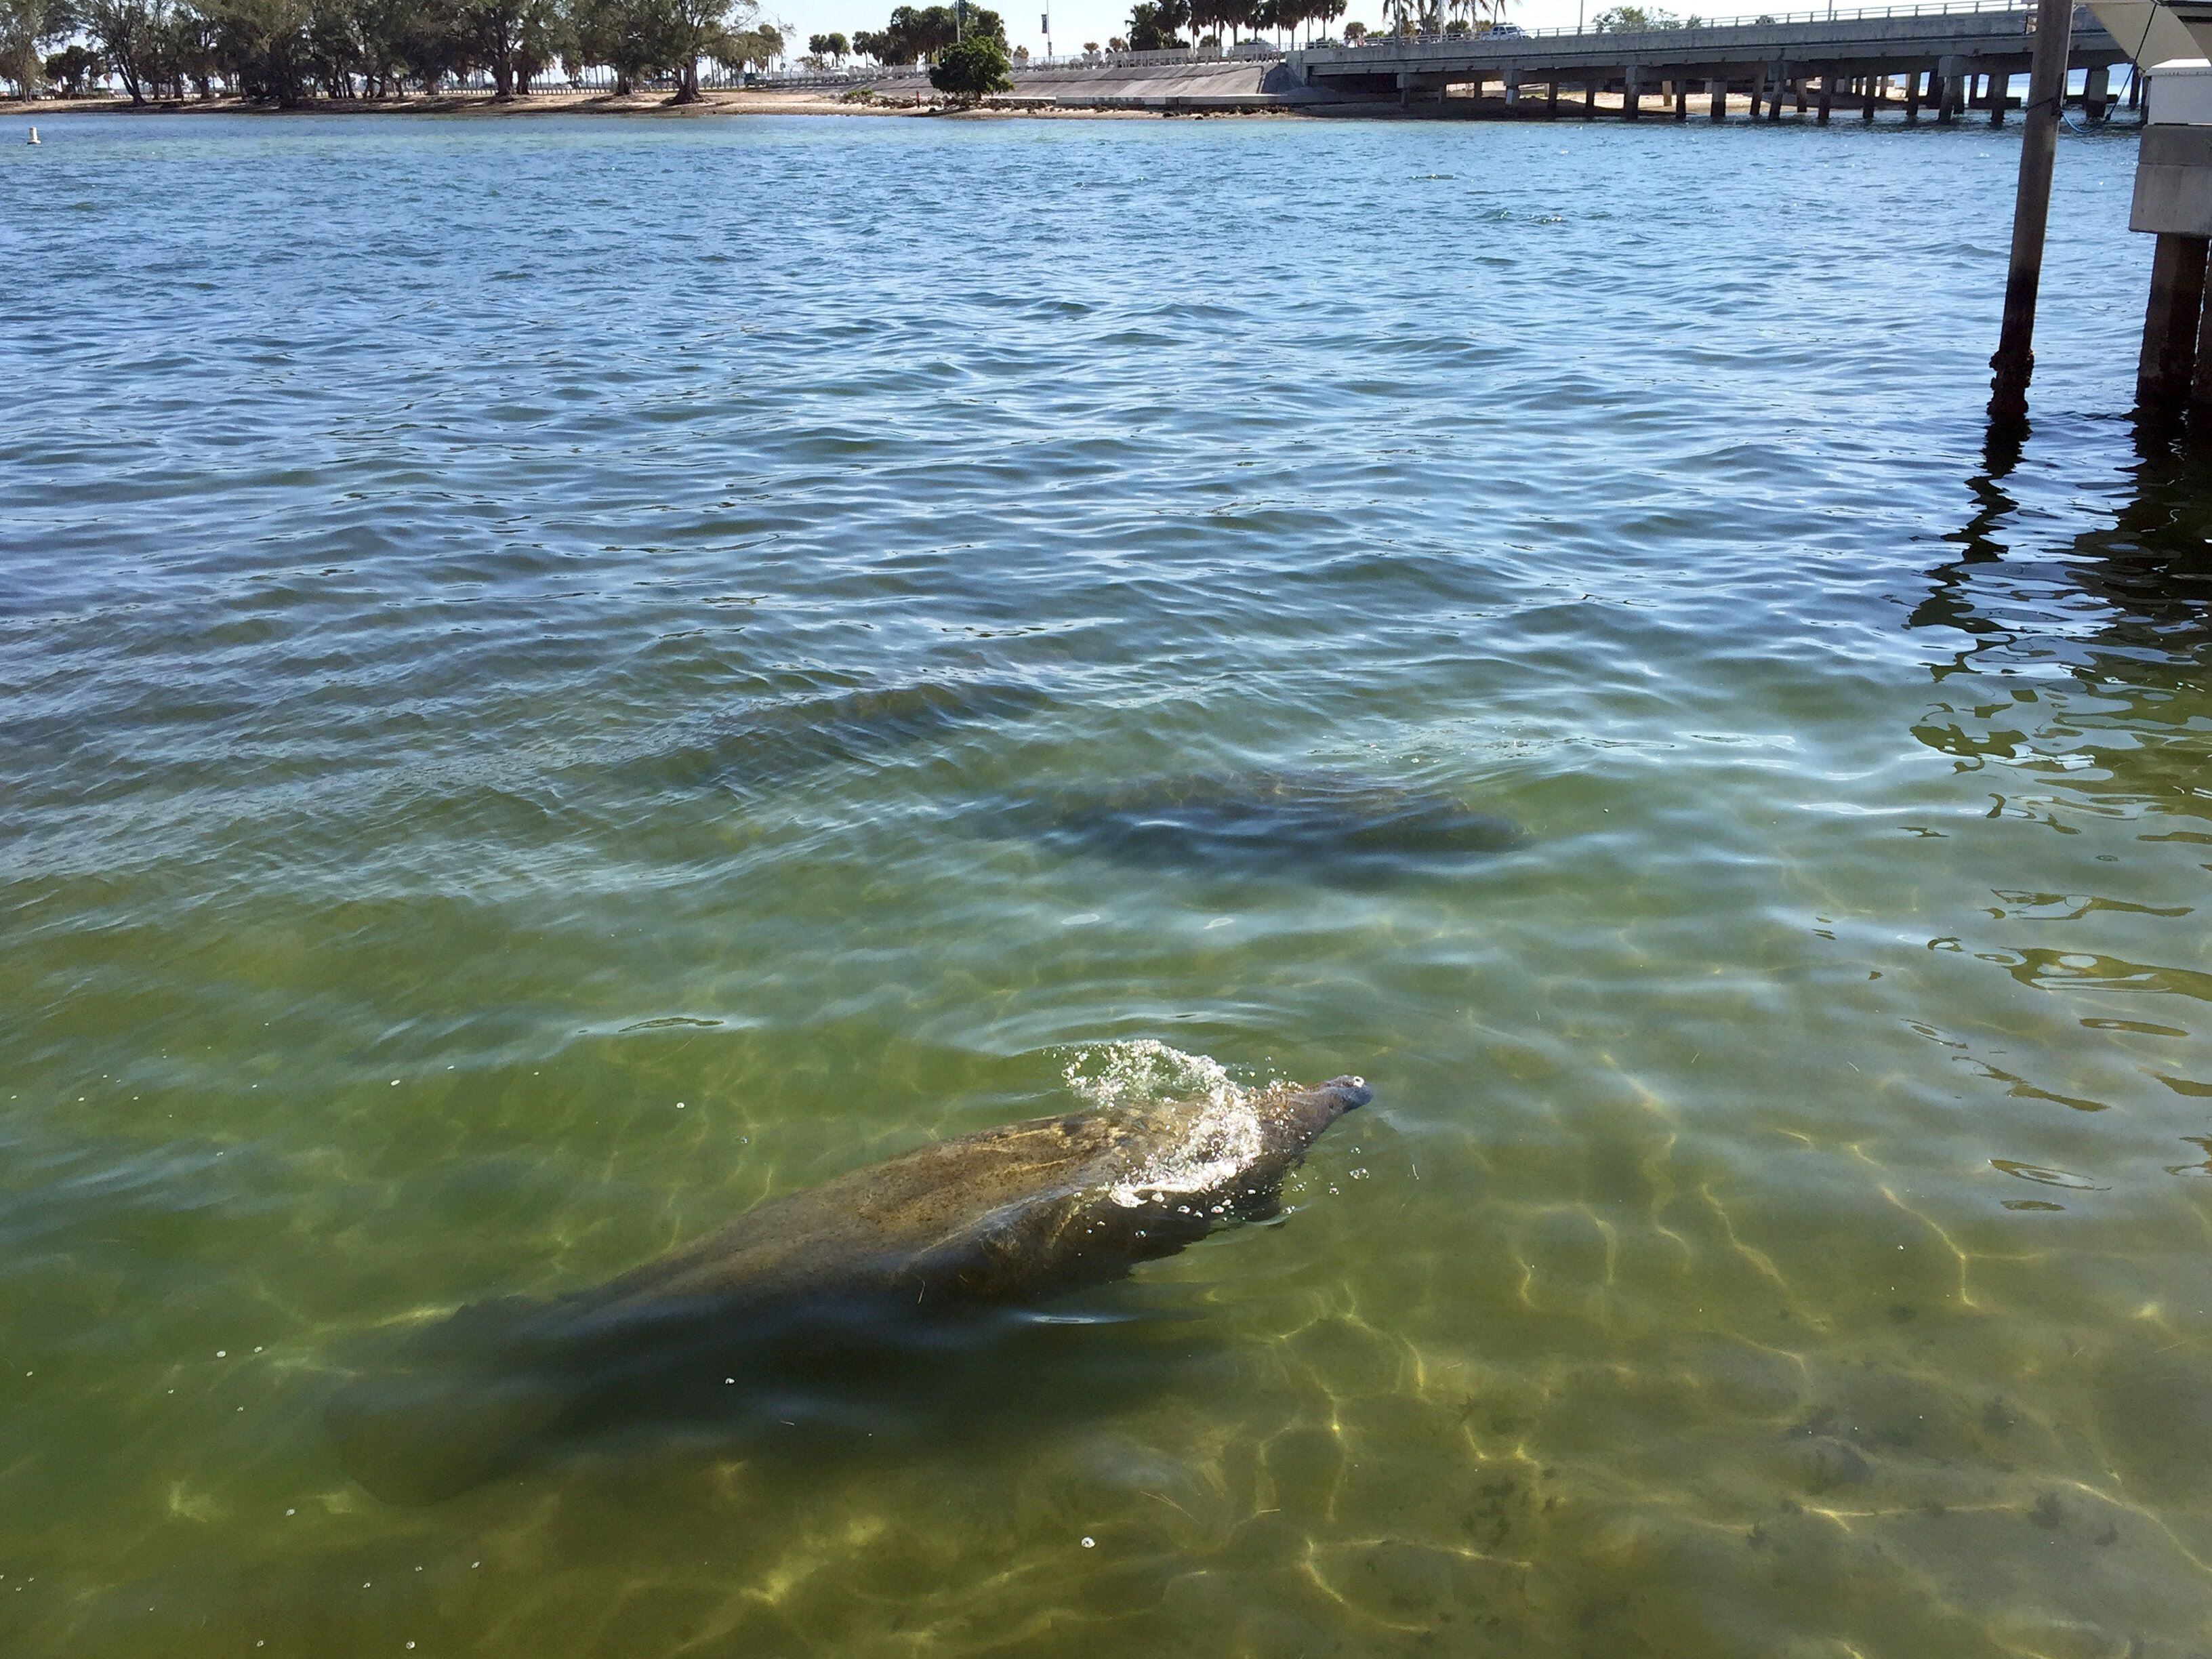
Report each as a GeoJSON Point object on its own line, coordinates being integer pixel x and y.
{"type": "Point", "coordinates": [871, 1272]}
{"type": "Point", "coordinates": [1313, 823]}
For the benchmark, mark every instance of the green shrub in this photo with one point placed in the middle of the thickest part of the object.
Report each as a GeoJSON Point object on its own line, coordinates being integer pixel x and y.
{"type": "Point", "coordinates": [969, 68]}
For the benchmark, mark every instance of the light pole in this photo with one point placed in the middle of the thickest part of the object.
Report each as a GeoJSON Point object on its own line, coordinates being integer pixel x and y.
{"type": "Point", "coordinates": [1045, 19]}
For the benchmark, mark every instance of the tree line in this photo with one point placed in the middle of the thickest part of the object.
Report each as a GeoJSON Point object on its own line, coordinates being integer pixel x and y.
{"type": "Point", "coordinates": [285, 51]}
{"type": "Point", "coordinates": [925, 33]}
{"type": "Point", "coordinates": [1158, 25]}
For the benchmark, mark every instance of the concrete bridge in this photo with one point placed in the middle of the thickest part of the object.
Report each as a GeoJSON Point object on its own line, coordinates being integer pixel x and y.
{"type": "Point", "coordinates": [1946, 57]}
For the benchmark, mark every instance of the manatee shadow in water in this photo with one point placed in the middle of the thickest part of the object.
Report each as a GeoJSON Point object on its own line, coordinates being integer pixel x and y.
{"type": "Point", "coordinates": [1314, 824]}
{"type": "Point", "coordinates": [487, 1397]}
{"type": "Point", "coordinates": [778, 743]}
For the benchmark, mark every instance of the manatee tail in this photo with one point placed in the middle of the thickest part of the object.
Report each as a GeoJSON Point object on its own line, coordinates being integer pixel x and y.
{"type": "Point", "coordinates": [461, 1405]}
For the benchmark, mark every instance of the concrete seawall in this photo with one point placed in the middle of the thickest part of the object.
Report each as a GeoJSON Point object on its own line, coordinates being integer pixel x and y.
{"type": "Point", "coordinates": [1197, 88]}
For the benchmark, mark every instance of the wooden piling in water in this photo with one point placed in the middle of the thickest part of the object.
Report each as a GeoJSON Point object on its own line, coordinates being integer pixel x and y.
{"type": "Point", "coordinates": [2015, 359]}
{"type": "Point", "coordinates": [2166, 368]}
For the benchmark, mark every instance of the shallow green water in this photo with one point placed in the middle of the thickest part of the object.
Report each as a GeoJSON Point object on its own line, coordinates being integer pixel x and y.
{"type": "Point", "coordinates": [528, 649]}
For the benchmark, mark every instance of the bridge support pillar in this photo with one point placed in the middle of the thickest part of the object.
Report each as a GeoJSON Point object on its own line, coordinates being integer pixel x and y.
{"type": "Point", "coordinates": [1828, 99]}
{"type": "Point", "coordinates": [1681, 101]}
{"type": "Point", "coordinates": [1876, 85]}
{"type": "Point", "coordinates": [1718, 91]}
{"type": "Point", "coordinates": [1589, 99]}
{"type": "Point", "coordinates": [2169, 361]}
{"type": "Point", "coordinates": [1632, 93]}
{"type": "Point", "coordinates": [1777, 83]}
{"type": "Point", "coordinates": [1512, 90]}
{"type": "Point", "coordinates": [2096, 93]}
{"type": "Point", "coordinates": [1798, 86]}
{"type": "Point", "coordinates": [1912, 97]}
{"type": "Point", "coordinates": [2000, 94]}
{"type": "Point", "coordinates": [1551, 101]}
{"type": "Point", "coordinates": [1944, 87]}
{"type": "Point", "coordinates": [2200, 386]}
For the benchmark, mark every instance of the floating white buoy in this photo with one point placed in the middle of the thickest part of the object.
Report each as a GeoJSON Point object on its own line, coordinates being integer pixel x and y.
{"type": "Point", "coordinates": [35, 135]}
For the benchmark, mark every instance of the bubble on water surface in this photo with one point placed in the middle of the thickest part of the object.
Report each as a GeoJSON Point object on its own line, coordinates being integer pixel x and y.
{"type": "Point", "coordinates": [1145, 1071]}
{"type": "Point", "coordinates": [1224, 1137]}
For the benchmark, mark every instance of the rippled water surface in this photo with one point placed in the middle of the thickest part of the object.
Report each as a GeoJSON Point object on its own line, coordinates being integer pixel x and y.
{"type": "Point", "coordinates": [563, 677]}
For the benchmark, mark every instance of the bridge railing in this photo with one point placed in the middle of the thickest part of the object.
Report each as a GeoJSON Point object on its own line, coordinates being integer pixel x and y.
{"type": "Point", "coordinates": [1745, 20]}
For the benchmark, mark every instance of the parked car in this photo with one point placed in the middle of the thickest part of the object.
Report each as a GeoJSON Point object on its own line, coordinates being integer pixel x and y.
{"type": "Point", "coordinates": [1507, 31]}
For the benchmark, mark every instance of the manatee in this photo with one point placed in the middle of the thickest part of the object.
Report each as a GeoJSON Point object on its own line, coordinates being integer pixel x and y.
{"type": "Point", "coordinates": [876, 1271]}
{"type": "Point", "coordinates": [776, 743]}
{"type": "Point", "coordinates": [1315, 823]}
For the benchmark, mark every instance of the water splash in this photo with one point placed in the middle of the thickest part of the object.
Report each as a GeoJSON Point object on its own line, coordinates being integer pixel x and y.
{"type": "Point", "coordinates": [1144, 1072]}
{"type": "Point", "coordinates": [1224, 1137]}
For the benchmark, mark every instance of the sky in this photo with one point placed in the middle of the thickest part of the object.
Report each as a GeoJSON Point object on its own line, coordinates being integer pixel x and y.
{"type": "Point", "coordinates": [1074, 21]}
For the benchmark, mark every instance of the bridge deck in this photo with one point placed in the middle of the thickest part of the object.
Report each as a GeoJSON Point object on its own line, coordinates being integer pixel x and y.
{"type": "Point", "coordinates": [1981, 41]}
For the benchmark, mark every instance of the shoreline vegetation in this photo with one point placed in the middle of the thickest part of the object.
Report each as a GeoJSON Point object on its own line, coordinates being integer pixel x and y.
{"type": "Point", "coordinates": [752, 100]}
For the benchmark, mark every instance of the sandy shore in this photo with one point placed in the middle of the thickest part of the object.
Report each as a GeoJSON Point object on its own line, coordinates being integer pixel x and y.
{"type": "Point", "coordinates": [753, 101]}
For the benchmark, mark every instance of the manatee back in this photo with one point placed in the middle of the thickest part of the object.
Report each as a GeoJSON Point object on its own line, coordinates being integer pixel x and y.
{"type": "Point", "coordinates": [907, 1222]}
{"type": "Point", "coordinates": [1322, 822]}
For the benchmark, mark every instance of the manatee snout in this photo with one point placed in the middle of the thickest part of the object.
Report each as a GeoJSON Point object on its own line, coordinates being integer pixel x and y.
{"type": "Point", "coordinates": [1346, 1093]}
{"type": "Point", "coordinates": [1302, 1114]}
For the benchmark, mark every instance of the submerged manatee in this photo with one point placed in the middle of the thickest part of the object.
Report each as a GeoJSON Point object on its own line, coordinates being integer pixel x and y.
{"type": "Point", "coordinates": [823, 1284]}
{"type": "Point", "coordinates": [1310, 823]}
{"type": "Point", "coordinates": [765, 746]}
